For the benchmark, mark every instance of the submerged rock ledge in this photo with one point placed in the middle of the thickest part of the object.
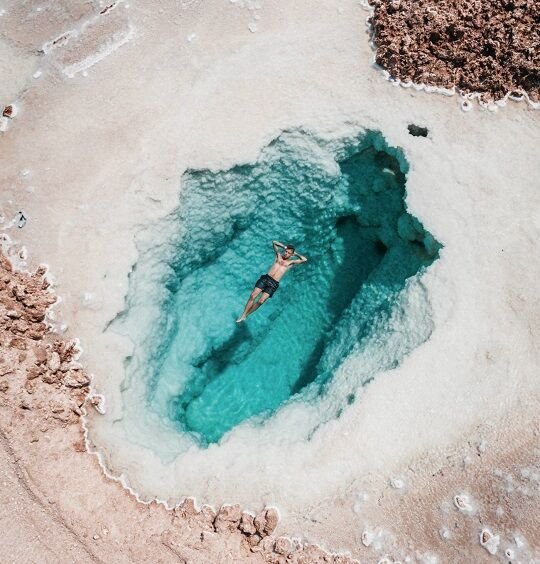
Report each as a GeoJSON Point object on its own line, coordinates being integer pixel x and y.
{"type": "Point", "coordinates": [485, 48]}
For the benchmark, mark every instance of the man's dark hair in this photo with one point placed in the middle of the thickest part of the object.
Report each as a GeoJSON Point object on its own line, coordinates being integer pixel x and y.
{"type": "Point", "coordinates": [291, 247]}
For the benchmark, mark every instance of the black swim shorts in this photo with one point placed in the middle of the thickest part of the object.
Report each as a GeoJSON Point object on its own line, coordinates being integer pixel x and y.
{"type": "Point", "coordinates": [267, 284]}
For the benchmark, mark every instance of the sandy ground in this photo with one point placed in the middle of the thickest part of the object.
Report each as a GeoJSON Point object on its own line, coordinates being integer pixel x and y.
{"type": "Point", "coordinates": [90, 156]}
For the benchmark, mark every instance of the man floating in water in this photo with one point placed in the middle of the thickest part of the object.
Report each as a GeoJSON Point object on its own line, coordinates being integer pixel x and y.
{"type": "Point", "coordinates": [267, 284]}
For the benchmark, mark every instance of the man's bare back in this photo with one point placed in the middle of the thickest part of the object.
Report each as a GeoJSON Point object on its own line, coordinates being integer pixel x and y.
{"type": "Point", "coordinates": [268, 283]}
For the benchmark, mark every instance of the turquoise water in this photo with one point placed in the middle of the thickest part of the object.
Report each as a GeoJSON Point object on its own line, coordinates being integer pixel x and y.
{"type": "Point", "coordinates": [344, 209]}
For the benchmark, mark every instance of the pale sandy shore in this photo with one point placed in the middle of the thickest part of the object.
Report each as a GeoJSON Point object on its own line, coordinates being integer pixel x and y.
{"type": "Point", "coordinates": [437, 460]}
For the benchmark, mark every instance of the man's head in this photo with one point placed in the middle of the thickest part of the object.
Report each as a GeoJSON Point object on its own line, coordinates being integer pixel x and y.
{"type": "Point", "coordinates": [289, 251]}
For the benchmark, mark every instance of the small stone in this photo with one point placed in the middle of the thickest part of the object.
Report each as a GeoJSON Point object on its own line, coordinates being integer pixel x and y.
{"type": "Point", "coordinates": [462, 502]}
{"type": "Point", "coordinates": [20, 326]}
{"type": "Point", "coordinates": [367, 538]}
{"type": "Point", "coordinates": [54, 362]}
{"type": "Point", "coordinates": [397, 483]}
{"type": "Point", "coordinates": [417, 130]}
{"type": "Point", "coordinates": [98, 401]}
{"type": "Point", "coordinates": [29, 386]}
{"type": "Point", "coordinates": [76, 379]}
{"type": "Point", "coordinates": [444, 534]}
{"type": "Point", "coordinates": [266, 521]}
{"type": "Point", "coordinates": [253, 540]}
{"type": "Point", "coordinates": [246, 523]}
{"type": "Point", "coordinates": [4, 386]}
{"type": "Point", "coordinates": [228, 518]}
{"type": "Point", "coordinates": [49, 378]}
{"type": "Point", "coordinates": [489, 541]}
{"type": "Point", "coordinates": [41, 356]}
{"type": "Point", "coordinates": [18, 343]}
{"type": "Point", "coordinates": [79, 446]}
{"type": "Point", "coordinates": [25, 404]}
{"type": "Point", "coordinates": [13, 314]}
{"type": "Point", "coordinates": [9, 111]}
{"type": "Point", "coordinates": [283, 546]}
{"type": "Point", "coordinates": [186, 508]}
{"type": "Point", "coordinates": [56, 406]}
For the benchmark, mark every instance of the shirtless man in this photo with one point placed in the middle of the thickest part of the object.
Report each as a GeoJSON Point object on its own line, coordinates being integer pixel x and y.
{"type": "Point", "coordinates": [267, 284]}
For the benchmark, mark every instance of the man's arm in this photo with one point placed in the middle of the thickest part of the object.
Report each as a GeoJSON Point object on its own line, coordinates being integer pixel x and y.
{"type": "Point", "coordinates": [276, 245]}
{"type": "Point", "coordinates": [300, 257]}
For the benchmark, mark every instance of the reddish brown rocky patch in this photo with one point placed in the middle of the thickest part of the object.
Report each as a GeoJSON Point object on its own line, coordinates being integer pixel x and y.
{"type": "Point", "coordinates": [490, 48]}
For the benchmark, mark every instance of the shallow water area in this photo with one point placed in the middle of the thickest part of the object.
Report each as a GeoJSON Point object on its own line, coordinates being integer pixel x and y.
{"type": "Point", "coordinates": [341, 205]}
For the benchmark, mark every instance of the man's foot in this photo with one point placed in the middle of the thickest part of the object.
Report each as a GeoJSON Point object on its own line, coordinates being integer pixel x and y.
{"type": "Point", "coordinates": [240, 319]}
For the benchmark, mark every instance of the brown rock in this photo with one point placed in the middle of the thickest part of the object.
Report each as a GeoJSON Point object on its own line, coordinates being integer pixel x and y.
{"type": "Point", "coordinates": [29, 386]}
{"type": "Point", "coordinates": [65, 417]}
{"type": "Point", "coordinates": [208, 516]}
{"type": "Point", "coordinates": [460, 44]}
{"type": "Point", "coordinates": [50, 378]}
{"type": "Point", "coordinates": [25, 404]}
{"type": "Point", "coordinates": [247, 524]}
{"type": "Point", "coordinates": [18, 343]}
{"type": "Point", "coordinates": [54, 362]}
{"type": "Point", "coordinates": [33, 373]}
{"type": "Point", "coordinates": [36, 332]}
{"type": "Point", "coordinates": [76, 379]}
{"type": "Point", "coordinates": [266, 521]}
{"type": "Point", "coordinates": [79, 445]}
{"type": "Point", "coordinates": [79, 396]}
{"type": "Point", "coordinates": [272, 520]}
{"type": "Point", "coordinates": [56, 406]}
{"type": "Point", "coordinates": [4, 386]}
{"type": "Point", "coordinates": [275, 559]}
{"type": "Point", "coordinates": [75, 409]}
{"type": "Point", "coordinates": [20, 326]}
{"type": "Point", "coordinates": [253, 540]}
{"type": "Point", "coordinates": [41, 356]}
{"type": "Point", "coordinates": [283, 546]}
{"type": "Point", "coordinates": [228, 518]}
{"type": "Point", "coordinates": [186, 509]}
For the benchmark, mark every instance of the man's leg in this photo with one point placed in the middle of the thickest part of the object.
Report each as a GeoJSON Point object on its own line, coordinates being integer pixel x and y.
{"type": "Point", "coordinates": [258, 304]}
{"type": "Point", "coordinates": [256, 291]}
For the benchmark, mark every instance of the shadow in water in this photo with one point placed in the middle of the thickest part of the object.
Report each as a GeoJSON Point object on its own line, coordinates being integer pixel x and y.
{"type": "Point", "coordinates": [361, 254]}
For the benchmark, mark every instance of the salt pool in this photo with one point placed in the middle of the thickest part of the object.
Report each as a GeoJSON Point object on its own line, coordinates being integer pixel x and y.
{"type": "Point", "coordinates": [342, 206]}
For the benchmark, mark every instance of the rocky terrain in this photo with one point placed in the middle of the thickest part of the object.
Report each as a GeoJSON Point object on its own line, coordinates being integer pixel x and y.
{"type": "Point", "coordinates": [489, 48]}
